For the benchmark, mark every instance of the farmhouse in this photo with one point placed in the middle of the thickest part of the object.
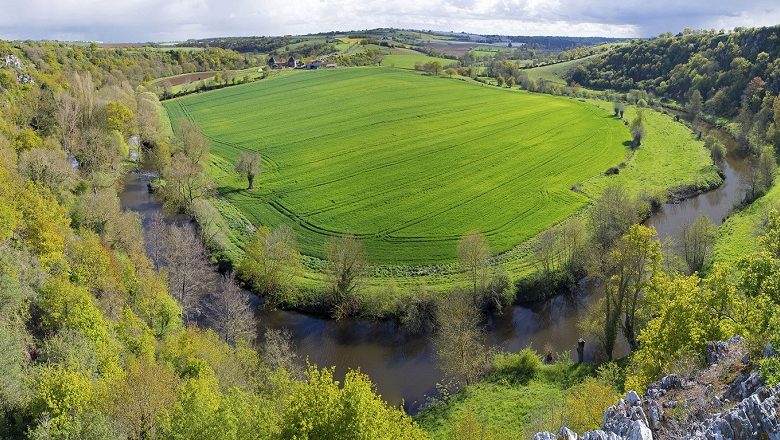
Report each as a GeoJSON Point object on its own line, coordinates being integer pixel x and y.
{"type": "Point", "coordinates": [279, 63]}
{"type": "Point", "coordinates": [316, 64]}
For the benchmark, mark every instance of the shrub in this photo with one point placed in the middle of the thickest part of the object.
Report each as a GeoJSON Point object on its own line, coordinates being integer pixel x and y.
{"type": "Point", "coordinates": [612, 374]}
{"type": "Point", "coordinates": [584, 404]}
{"type": "Point", "coordinates": [517, 367]}
{"type": "Point", "coordinates": [769, 368]}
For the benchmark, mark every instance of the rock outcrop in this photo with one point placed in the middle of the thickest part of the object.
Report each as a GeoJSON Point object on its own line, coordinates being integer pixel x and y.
{"type": "Point", "coordinates": [727, 400]}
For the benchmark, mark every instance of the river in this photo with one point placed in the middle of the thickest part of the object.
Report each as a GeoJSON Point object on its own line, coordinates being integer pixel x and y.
{"type": "Point", "coordinates": [403, 366]}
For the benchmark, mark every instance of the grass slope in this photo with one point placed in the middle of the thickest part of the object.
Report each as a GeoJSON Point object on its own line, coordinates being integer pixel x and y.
{"type": "Point", "coordinates": [513, 410]}
{"type": "Point", "coordinates": [737, 235]}
{"type": "Point", "coordinates": [670, 158]}
{"type": "Point", "coordinates": [406, 162]}
{"type": "Point", "coordinates": [407, 58]}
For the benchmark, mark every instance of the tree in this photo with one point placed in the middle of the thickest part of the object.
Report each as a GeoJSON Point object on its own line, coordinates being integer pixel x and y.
{"type": "Point", "coordinates": [717, 149]}
{"type": "Point", "coordinates": [560, 253]}
{"type": "Point", "coordinates": [633, 262]}
{"type": "Point", "coordinates": [278, 352]}
{"type": "Point", "coordinates": [696, 242]}
{"type": "Point", "coordinates": [120, 118]}
{"type": "Point", "coordinates": [271, 263]}
{"type": "Point", "coordinates": [146, 393]}
{"type": "Point", "coordinates": [249, 165]}
{"type": "Point", "coordinates": [510, 82]}
{"type": "Point", "coordinates": [638, 129]}
{"type": "Point", "coordinates": [500, 81]}
{"type": "Point", "coordinates": [347, 264]}
{"type": "Point", "coordinates": [473, 255]}
{"type": "Point", "coordinates": [193, 142]}
{"type": "Point", "coordinates": [573, 237]}
{"type": "Point", "coordinates": [618, 108]}
{"type": "Point", "coordinates": [546, 255]}
{"type": "Point", "coordinates": [231, 314]}
{"type": "Point", "coordinates": [611, 216]}
{"type": "Point", "coordinates": [155, 239]}
{"type": "Point", "coordinates": [584, 404]}
{"type": "Point", "coordinates": [148, 117]}
{"type": "Point", "coordinates": [160, 157]}
{"type": "Point", "coordinates": [776, 112]}
{"type": "Point", "coordinates": [683, 322]}
{"type": "Point", "coordinates": [463, 356]}
{"type": "Point", "coordinates": [767, 164]}
{"type": "Point", "coordinates": [694, 105]}
{"type": "Point", "coordinates": [49, 167]}
{"type": "Point", "coordinates": [100, 156]}
{"type": "Point", "coordinates": [186, 182]}
{"type": "Point", "coordinates": [186, 263]}
{"type": "Point", "coordinates": [317, 408]}
{"type": "Point", "coordinates": [433, 67]}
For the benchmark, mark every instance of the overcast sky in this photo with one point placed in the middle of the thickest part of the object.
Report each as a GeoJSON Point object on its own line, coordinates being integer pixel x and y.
{"type": "Point", "coordinates": [156, 20]}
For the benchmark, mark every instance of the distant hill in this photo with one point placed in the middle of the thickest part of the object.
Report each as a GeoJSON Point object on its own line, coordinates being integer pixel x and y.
{"type": "Point", "coordinates": [265, 44]}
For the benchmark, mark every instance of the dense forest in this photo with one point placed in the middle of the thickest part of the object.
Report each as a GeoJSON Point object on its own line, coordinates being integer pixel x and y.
{"type": "Point", "coordinates": [724, 70]}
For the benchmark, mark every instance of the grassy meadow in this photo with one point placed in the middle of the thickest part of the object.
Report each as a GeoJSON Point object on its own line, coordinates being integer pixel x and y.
{"type": "Point", "coordinates": [505, 407]}
{"type": "Point", "coordinates": [406, 162]}
{"type": "Point", "coordinates": [737, 236]}
{"type": "Point", "coordinates": [670, 159]}
{"type": "Point", "coordinates": [407, 58]}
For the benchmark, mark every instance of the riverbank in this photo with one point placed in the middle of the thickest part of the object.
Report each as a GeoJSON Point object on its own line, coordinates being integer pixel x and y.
{"type": "Point", "coordinates": [402, 364]}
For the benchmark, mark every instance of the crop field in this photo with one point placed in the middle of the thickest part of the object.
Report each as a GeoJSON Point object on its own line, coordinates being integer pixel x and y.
{"type": "Point", "coordinates": [407, 58]}
{"type": "Point", "coordinates": [406, 162]}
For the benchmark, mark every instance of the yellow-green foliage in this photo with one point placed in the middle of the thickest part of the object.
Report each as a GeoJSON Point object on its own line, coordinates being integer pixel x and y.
{"type": "Point", "coordinates": [10, 215]}
{"type": "Point", "coordinates": [60, 392]}
{"type": "Point", "coordinates": [120, 118]}
{"type": "Point", "coordinates": [135, 335]}
{"type": "Point", "coordinates": [519, 367]}
{"type": "Point", "coordinates": [45, 224]}
{"type": "Point", "coordinates": [319, 408]}
{"type": "Point", "coordinates": [90, 262]}
{"type": "Point", "coordinates": [27, 139]}
{"type": "Point", "coordinates": [584, 404]}
{"type": "Point", "coordinates": [66, 306]}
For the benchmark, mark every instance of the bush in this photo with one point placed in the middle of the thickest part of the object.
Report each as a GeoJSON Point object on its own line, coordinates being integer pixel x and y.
{"type": "Point", "coordinates": [769, 368]}
{"type": "Point", "coordinates": [612, 374]}
{"type": "Point", "coordinates": [584, 404]}
{"type": "Point", "coordinates": [498, 294]}
{"type": "Point", "coordinates": [518, 367]}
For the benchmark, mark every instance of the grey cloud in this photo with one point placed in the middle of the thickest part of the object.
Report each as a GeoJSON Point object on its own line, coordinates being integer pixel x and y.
{"type": "Point", "coordinates": [157, 20]}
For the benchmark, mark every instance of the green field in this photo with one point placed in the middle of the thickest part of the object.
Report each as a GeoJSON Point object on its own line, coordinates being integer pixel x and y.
{"type": "Point", "coordinates": [557, 72]}
{"type": "Point", "coordinates": [670, 158]}
{"type": "Point", "coordinates": [502, 406]}
{"type": "Point", "coordinates": [407, 58]}
{"type": "Point", "coordinates": [406, 162]}
{"type": "Point", "coordinates": [737, 236]}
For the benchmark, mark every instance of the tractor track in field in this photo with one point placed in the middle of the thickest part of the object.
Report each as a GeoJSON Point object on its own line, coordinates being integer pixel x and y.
{"type": "Point", "coordinates": [358, 159]}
